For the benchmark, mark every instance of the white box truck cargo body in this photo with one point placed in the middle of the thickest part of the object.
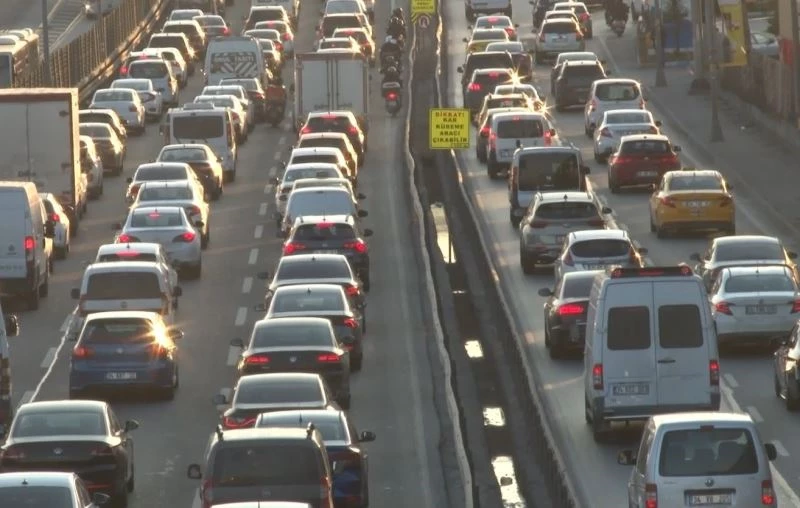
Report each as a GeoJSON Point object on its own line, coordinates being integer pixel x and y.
{"type": "Point", "coordinates": [39, 139]}
{"type": "Point", "coordinates": [331, 81]}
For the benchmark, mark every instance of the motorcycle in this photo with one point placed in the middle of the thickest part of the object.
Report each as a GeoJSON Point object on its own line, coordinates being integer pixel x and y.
{"type": "Point", "coordinates": [391, 95]}
{"type": "Point", "coordinates": [618, 27]}
{"type": "Point", "coordinates": [275, 111]}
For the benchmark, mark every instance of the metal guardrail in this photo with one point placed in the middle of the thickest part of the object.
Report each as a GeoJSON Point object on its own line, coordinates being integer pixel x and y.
{"type": "Point", "coordinates": [93, 56]}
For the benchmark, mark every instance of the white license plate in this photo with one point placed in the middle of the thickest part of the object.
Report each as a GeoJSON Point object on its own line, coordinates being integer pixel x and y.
{"type": "Point", "coordinates": [631, 389]}
{"type": "Point", "coordinates": [120, 376]}
{"type": "Point", "coordinates": [594, 267]}
{"type": "Point", "coordinates": [646, 174]}
{"type": "Point", "coordinates": [697, 204]}
{"type": "Point", "coordinates": [710, 499]}
{"type": "Point", "coordinates": [760, 309]}
{"type": "Point", "coordinates": [326, 252]}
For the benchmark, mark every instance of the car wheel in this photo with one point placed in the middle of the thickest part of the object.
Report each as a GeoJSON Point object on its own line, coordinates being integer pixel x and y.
{"type": "Point", "coordinates": [356, 362]}
{"type": "Point", "coordinates": [194, 272]}
{"type": "Point", "coordinates": [528, 266]}
{"type": "Point", "coordinates": [652, 224]}
{"type": "Point", "coordinates": [44, 289]}
{"type": "Point", "coordinates": [60, 252]}
{"type": "Point", "coordinates": [661, 231]}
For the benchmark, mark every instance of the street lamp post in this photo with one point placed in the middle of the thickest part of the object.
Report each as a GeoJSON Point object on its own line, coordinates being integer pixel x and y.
{"type": "Point", "coordinates": [661, 78]}
{"type": "Point", "coordinates": [48, 78]}
{"type": "Point", "coordinates": [711, 44]}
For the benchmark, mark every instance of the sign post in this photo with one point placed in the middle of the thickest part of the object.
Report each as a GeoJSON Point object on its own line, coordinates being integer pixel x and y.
{"type": "Point", "coordinates": [449, 128]}
{"type": "Point", "coordinates": [422, 11]}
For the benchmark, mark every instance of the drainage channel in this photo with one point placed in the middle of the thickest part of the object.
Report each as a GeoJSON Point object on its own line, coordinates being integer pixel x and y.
{"type": "Point", "coordinates": [484, 369]}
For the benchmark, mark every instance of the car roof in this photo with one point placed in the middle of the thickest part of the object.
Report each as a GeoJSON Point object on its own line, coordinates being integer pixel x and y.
{"type": "Point", "coordinates": [581, 274]}
{"type": "Point", "coordinates": [173, 164]}
{"type": "Point", "coordinates": [315, 149]}
{"type": "Point", "coordinates": [727, 240]}
{"type": "Point", "coordinates": [492, 69]}
{"type": "Point", "coordinates": [311, 165]}
{"type": "Point", "coordinates": [305, 377]}
{"type": "Point", "coordinates": [505, 115]}
{"type": "Point", "coordinates": [621, 81]}
{"type": "Point", "coordinates": [123, 314]}
{"type": "Point", "coordinates": [320, 135]}
{"type": "Point", "coordinates": [37, 478]}
{"type": "Point", "coordinates": [156, 209]}
{"type": "Point", "coordinates": [94, 124]}
{"type": "Point", "coordinates": [122, 266]}
{"type": "Point", "coordinates": [332, 112]}
{"type": "Point", "coordinates": [290, 321]}
{"type": "Point", "coordinates": [758, 269]}
{"type": "Point", "coordinates": [560, 197]}
{"type": "Point", "coordinates": [688, 173]}
{"type": "Point", "coordinates": [165, 183]}
{"type": "Point", "coordinates": [315, 219]}
{"type": "Point", "coordinates": [558, 20]}
{"type": "Point", "coordinates": [311, 258]}
{"type": "Point", "coordinates": [62, 405]}
{"type": "Point", "coordinates": [145, 247]}
{"type": "Point", "coordinates": [581, 63]}
{"type": "Point", "coordinates": [526, 150]}
{"type": "Point", "coordinates": [176, 146]}
{"type": "Point", "coordinates": [599, 234]}
{"type": "Point", "coordinates": [321, 190]}
{"type": "Point", "coordinates": [263, 433]}
{"type": "Point", "coordinates": [701, 417]}
{"type": "Point", "coordinates": [102, 111]}
{"type": "Point", "coordinates": [626, 112]}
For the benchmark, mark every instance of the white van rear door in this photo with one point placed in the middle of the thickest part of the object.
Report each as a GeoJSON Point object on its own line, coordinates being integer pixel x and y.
{"type": "Point", "coordinates": [682, 355]}
{"type": "Point", "coordinates": [14, 228]}
{"type": "Point", "coordinates": [629, 353]}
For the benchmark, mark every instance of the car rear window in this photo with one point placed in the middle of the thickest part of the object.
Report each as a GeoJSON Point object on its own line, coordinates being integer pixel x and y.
{"type": "Point", "coordinates": [566, 210]}
{"type": "Point", "coordinates": [317, 157]}
{"type": "Point", "coordinates": [617, 92]}
{"type": "Point", "coordinates": [583, 72]}
{"type": "Point", "coordinates": [322, 142]}
{"type": "Point", "coordinates": [628, 328]}
{"type": "Point", "coordinates": [749, 251]}
{"type": "Point", "coordinates": [554, 171]}
{"type": "Point", "coordinates": [267, 464]}
{"type": "Point", "coordinates": [294, 335]}
{"type": "Point", "coordinates": [600, 248]}
{"type": "Point", "coordinates": [559, 28]}
{"type": "Point", "coordinates": [577, 287]}
{"type": "Point", "coordinates": [330, 24]}
{"type": "Point", "coordinates": [278, 392]}
{"type": "Point", "coordinates": [331, 430]}
{"type": "Point", "coordinates": [335, 44]}
{"type": "Point", "coordinates": [507, 102]}
{"type": "Point", "coordinates": [323, 202]}
{"type": "Point", "coordinates": [123, 286]}
{"type": "Point", "coordinates": [183, 155]}
{"type": "Point", "coordinates": [148, 174]}
{"type": "Point", "coordinates": [695, 183]}
{"type": "Point", "coordinates": [148, 70]}
{"type": "Point", "coordinates": [198, 127]}
{"type": "Point", "coordinates": [324, 231]}
{"type": "Point", "coordinates": [319, 172]}
{"type": "Point", "coordinates": [73, 422]}
{"type": "Point", "coordinates": [111, 95]}
{"type": "Point", "coordinates": [160, 219]}
{"type": "Point", "coordinates": [150, 193]}
{"type": "Point", "coordinates": [117, 331]}
{"type": "Point", "coordinates": [627, 118]}
{"type": "Point", "coordinates": [489, 34]}
{"type": "Point", "coordinates": [313, 270]}
{"type": "Point", "coordinates": [759, 283]}
{"type": "Point", "coordinates": [35, 495]}
{"type": "Point", "coordinates": [333, 123]}
{"type": "Point", "coordinates": [95, 131]}
{"type": "Point", "coordinates": [94, 118]}
{"type": "Point", "coordinates": [520, 128]}
{"type": "Point", "coordinates": [488, 61]}
{"type": "Point", "coordinates": [127, 256]}
{"type": "Point", "coordinates": [647, 146]}
{"type": "Point", "coordinates": [708, 451]}
{"type": "Point", "coordinates": [491, 78]}
{"type": "Point", "coordinates": [318, 301]}
{"type": "Point", "coordinates": [679, 326]}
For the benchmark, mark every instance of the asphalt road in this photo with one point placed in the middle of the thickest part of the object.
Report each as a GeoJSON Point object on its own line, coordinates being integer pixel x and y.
{"type": "Point", "coordinates": [391, 396]}
{"type": "Point", "coordinates": [747, 378]}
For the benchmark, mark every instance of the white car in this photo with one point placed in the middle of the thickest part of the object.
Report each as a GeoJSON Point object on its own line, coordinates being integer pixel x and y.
{"type": "Point", "coordinates": [610, 94]}
{"type": "Point", "coordinates": [618, 123]}
{"type": "Point", "coordinates": [60, 219]}
{"type": "Point", "coordinates": [158, 71]}
{"type": "Point", "coordinates": [292, 173]}
{"type": "Point", "coordinates": [232, 103]}
{"type": "Point", "coordinates": [285, 29]}
{"type": "Point", "coordinates": [171, 55]}
{"type": "Point", "coordinates": [557, 36]}
{"type": "Point", "coordinates": [138, 251]}
{"type": "Point", "coordinates": [184, 14]}
{"type": "Point", "coordinates": [240, 93]}
{"type": "Point", "coordinates": [126, 103]}
{"type": "Point", "coordinates": [184, 193]}
{"type": "Point", "coordinates": [170, 227]}
{"type": "Point", "coordinates": [152, 99]}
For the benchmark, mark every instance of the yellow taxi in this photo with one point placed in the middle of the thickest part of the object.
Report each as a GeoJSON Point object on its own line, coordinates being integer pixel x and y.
{"type": "Point", "coordinates": [503, 22]}
{"type": "Point", "coordinates": [690, 200]}
{"type": "Point", "coordinates": [481, 37]}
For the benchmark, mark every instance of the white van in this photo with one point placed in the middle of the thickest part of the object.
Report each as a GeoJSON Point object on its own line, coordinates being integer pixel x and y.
{"type": "Point", "coordinates": [127, 285]}
{"type": "Point", "coordinates": [206, 124]}
{"type": "Point", "coordinates": [160, 73]}
{"type": "Point", "coordinates": [26, 243]}
{"type": "Point", "coordinates": [513, 130]}
{"type": "Point", "coordinates": [234, 57]}
{"type": "Point", "coordinates": [651, 347]}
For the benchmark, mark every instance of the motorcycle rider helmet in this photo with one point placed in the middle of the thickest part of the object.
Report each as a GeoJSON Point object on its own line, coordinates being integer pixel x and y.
{"type": "Point", "coordinates": [390, 40]}
{"type": "Point", "coordinates": [398, 12]}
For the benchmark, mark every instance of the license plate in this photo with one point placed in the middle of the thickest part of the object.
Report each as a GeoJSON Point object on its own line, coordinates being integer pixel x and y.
{"type": "Point", "coordinates": [646, 174]}
{"type": "Point", "coordinates": [760, 309]}
{"type": "Point", "coordinates": [631, 389]}
{"type": "Point", "coordinates": [577, 331]}
{"type": "Point", "coordinates": [594, 267]}
{"type": "Point", "coordinates": [710, 499]}
{"type": "Point", "coordinates": [326, 252]}
{"type": "Point", "coordinates": [120, 376]}
{"type": "Point", "coordinates": [697, 204]}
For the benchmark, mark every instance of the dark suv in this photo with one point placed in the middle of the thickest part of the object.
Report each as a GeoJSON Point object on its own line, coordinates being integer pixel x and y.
{"type": "Point", "coordinates": [288, 464]}
{"type": "Point", "coordinates": [484, 60]}
{"type": "Point", "coordinates": [574, 81]}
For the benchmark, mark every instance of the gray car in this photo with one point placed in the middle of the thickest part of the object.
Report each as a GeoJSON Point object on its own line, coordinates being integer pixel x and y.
{"type": "Point", "coordinates": [597, 249]}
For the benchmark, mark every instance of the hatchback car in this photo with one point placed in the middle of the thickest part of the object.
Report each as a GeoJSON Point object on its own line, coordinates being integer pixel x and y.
{"type": "Point", "coordinates": [618, 123]}
{"type": "Point", "coordinates": [139, 251]}
{"type": "Point", "coordinates": [526, 89]}
{"type": "Point", "coordinates": [151, 98]}
{"type": "Point", "coordinates": [557, 36]}
{"type": "Point", "coordinates": [318, 201]}
{"type": "Point", "coordinates": [565, 313]}
{"type": "Point", "coordinates": [324, 155]}
{"type": "Point", "coordinates": [108, 146]}
{"type": "Point", "coordinates": [126, 103]}
{"type": "Point", "coordinates": [334, 140]}
{"type": "Point", "coordinates": [573, 82]}
{"type": "Point", "coordinates": [339, 121]}
{"type": "Point", "coordinates": [597, 249]}
{"type": "Point", "coordinates": [203, 161]}
{"type": "Point", "coordinates": [285, 183]}
{"type": "Point", "coordinates": [481, 37]}
{"type": "Point", "coordinates": [569, 56]}
{"type": "Point", "coordinates": [158, 171]}
{"type": "Point", "coordinates": [159, 72]}
{"type": "Point", "coordinates": [641, 159]}
{"type": "Point", "coordinates": [608, 94]}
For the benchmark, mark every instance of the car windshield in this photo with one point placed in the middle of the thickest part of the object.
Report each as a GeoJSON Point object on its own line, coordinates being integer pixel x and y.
{"type": "Point", "coordinates": [560, 28]}
{"type": "Point", "coordinates": [755, 283]}
{"type": "Point", "coordinates": [120, 285]}
{"type": "Point", "coordinates": [111, 95]}
{"type": "Point", "coordinates": [601, 248]}
{"type": "Point", "coordinates": [277, 392]}
{"type": "Point", "coordinates": [293, 335]}
{"type": "Point", "coordinates": [645, 146]}
{"type": "Point", "coordinates": [749, 251]}
{"type": "Point", "coordinates": [73, 422]}
{"type": "Point", "coordinates": [127, 255]}
{"type": "Point", "coordinates": [95, 131]}
{"type": "Point", "coordinates": [183, 155]}
{"type": "Point", "coordinates": [633, 117]}
{"type": "Point", "coordinates": [34, 496]}
{"type": "Point", "coordinates": [708, 451]}
{"type": "Point", "coordinates": [148, 70]}
{"type": "Point", "coordinates": [117, 331]}
{"type": "Point", "coordinates": [323, 202]}
{"type": "Point", "coordinates": [566, 210]}
{"type": "Point", "coordinates": [313, 270]}
{"type": "Point", "coordinates": [158, 193]}
{"type": "Point", "coordinates": [617, 91]}
{"type": "Point", "coordinates": [156, 219]}
{"type": "Point", "coordinates": [695, 183]}
{"type": "Point", "coordinates": [489, 35]}
{"type": "Point", "coordinates": [577, 287]}
{"type": "Point", "coordinates": [273, 464]}
{"type": "Point", "coordinates": [520, 128]}
{"type": "Point", "coordinates": [311, 301]}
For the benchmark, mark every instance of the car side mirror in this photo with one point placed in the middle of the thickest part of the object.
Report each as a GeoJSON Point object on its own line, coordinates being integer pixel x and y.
{"type": "Point", "coordinates": [193, 472]}
{"type": "Point", "coordinates": [116, 226]}
{"type": "Point", "coordinates": [199, 224]}
{"type": "Point", "coordinates": [368, 232]}
{"type": "Point", "coordinates": [361, 195]}
{"type": "Point", "coordinates": [658, 123]}
{"type": "Point", "coordinates": [362, 213]}
{"type": "Point", "coordinates": [366, 436]}
{"type": "Point", "coordinates": [129, 180]}
{"type": "Point", "coordinates": [772, 452]}
{"type": "Point", "coordinates": [75, 293]}
{"type": "Point", "coordinates": [546, 292]}
{"type": "Point", "coordinates": [237, 343]}
{"type": "Point", "coordinates": [606, 210]}
{"type": "Point", "coordinates": [792, 255]}
{"type": "Point", "coordinates": [642, 250]}
{"type": "Point", "coordinates": [131, 425]}
{"type": "Point", "coordinates": [219, 399]}
{"type": "Point", "coordinates": [626, 458]}
{"type": "Point", "coordinates": [176, 334]}
{"type": "Point", "coordinates": [100, 499]}
{"type": "Point", "coordinates": [260, 307]}
{"type": "Point", "coordinates": [585, 170]}
{"type": "Point", "coordinates": [695, 257]}
{"type": "Point", "coordinates": [12, 325]}
{"type": "Point", "coordinates": [263, 275]}
{"type": "Point", "coordinates": [460, 70]}
{"type": "Point", "coordinates": [676, 148]}
{"type": "Point", "coordinates": [730, 187]}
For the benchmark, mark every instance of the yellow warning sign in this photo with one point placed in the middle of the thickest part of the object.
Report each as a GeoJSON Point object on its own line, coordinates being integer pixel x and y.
{"type": "Point", "coordinates": [419, 7]}
{"type": "Point", "coordinates": [449, 128]}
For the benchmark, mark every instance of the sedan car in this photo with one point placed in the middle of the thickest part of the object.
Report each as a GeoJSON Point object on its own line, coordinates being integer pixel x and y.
{"type": "Point", "coordinates": [348, 458]}
{"type": "Point", "coordinates": [60, 220]}
{"type": "Point", "coordinates": [108, 116]}
{"type": "Point", "coordinates": [152, 99]}
{"type": "Point", "coordinates": [111, 150]}
{"type": "Point", "coordinates": [126, 103]}
{"type": "Point", "coordinates": [596, 249]}
{"type": "Point", "coordinates": [557, 36]}
{"type": "Point", "coordinates": [284, 184]}
{"type": "Point", "coordinates": [363, 40]}
{"type": "Point", "coordinates": [504, 22]}
{"type": "Point", "coordinates": [285, 29]}
{"type": "Point", "coordinates": [641, 159]}
{"type": "Point", "coordinates": [213, 25]}
{"type": "Point", "coordinates": [327, 301]}
{"type": "Point", "coordinates": [565, 313]}
{"type": "Point", "coordinates": [754, 304]}
{"type": "Point", "coordinates": [50, 489]}
{"type": "Point", "coordinates": [125, 350]}
{"type": "Point", "coordinates": [481, 37]}
{"type": "Point", "coordinates": [232, 103]}
{"type": "Point", "coordinates": [618, 123]}
{"type": "Point", "coordinates": [297, 345]}
{"type": "Point", "coordinates": [158, 171]}
{"type": "Point", "coordinates": [202, 159]}
{"type": "Point", "coordinates": [743, 250]}
{"type": "Point", "coordinates": [339, 121]}
{"type": "Point", "coordinates": [786, 366]}
{"type": "Point", "coordinates": [332, 140]}
{"type": "Point", "coordinates": [692, 200]}
{"type": "Point", "coordinates": [483, 82]}
{"type": "Point", "coordinates": [183, 193]}
{"type": "Point", "coordinates": [240, 93]}
{"type": "Point", "coordinates": [85, 435]}
{"type": "Point", "coordinates": [170, 227]}
{"type": "Point", "coordinates": [138, 251]}
{"type": "Point", "coordinates": [275, 391]}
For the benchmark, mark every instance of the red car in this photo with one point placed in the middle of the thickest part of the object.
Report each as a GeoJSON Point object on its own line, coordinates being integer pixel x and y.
{"type": "Point", "coordinates": [641, 159]}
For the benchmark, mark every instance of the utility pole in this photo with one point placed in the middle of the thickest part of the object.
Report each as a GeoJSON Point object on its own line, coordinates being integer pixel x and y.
{"type": "Point", "coordinates": [711, 44]}
{"type": "Point", "coordinates": [661, 78]}
{"type": "Point", "coordinates": [700, 84]}
{"type": "Point", "coordinates": [48, 78]}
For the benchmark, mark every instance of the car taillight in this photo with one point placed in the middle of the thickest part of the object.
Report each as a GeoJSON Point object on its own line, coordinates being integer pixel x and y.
{"type": "Point", "coordinates": [352, 130]}
{"type": "Point", "coordinates": [55, 217]}
{"type": "Point", "coordinates": [606, 132]}
{"type": "Point", "coordinates": [510, 31]}
{"type": "Point", "coordinates": [292, 247]}
{"type": "Point", "coordinates": [548, 138]}
{"type": "Point", "coordinates": [347, 457]}
{"type": "Point", "coordinates": [359, 246]}
{"type": "Point", "coordinates": [285, 36]}
{"type": "Point", "coordinates": [584, 16]}
{"type": "Point", "coordinates": [641, 103]}
{"type": "Point", "coordinates": [193, 210]}
{"type": "Point", "coordinates": [81, 352]}
{"type": "Point", "coordinates": [352, 290]}
{"type": "Point", "coordinates": [653, 130]}
{"type": "Point", "coordinates": [30, 244]}
{"type": "Point", "coordinates": [597, 376]}
{"type": "Point", "coordinates": [723, 308]}
{"type": "Point", "coordinates": [538, 224]}
{"type": "Point", "coordinates": [126, 238]}
{"type": "Point", "coordinates": [278, 46]}
{"type": "Point", "coordinates": [226, 31]}
{"type": "Point", "coordinates": [305, 130]}
{"type": "Point", "coordinates": [621, 159]}
{"type": "Point", "coordinates": [350, 323]}
{"type": "Point", "coordinates": [474, 87]}
{"type": "Point", "coordinates": [485, 132]}
{"type": "Point", "coordinates": [578, 36]}
{"type": "Point", "coordinates": [492, 140]}
{"type": "Point", "coordinates": [650, 496]}
{"type": "Point", "coordinates": [238, 422]}
{"type": "Point", "coordinates": [101, 451]}
{"type": "Point", "coordinates": [159, 351]}
{"type": "Point", "coordinates": [713, 372]}
{"type": "Point", "coordinates": [571, 309]}
{"type": "Point", "coordinates": [392, 96]}
{"type": "Point", "coordinates": [123, 70]}
{"type": "Point", "coordinates": [187, 237]}
{"type": "Point", "coordinates": [796, 306]}
{"type": "Point", "coordinates": [205, 493]}
{"type": "Point", "coordinates": [568, 260]}
{"type": "Point", "coordinates": [328, 358]}
{"type": "Point", "coordinates": [257, 360]}
{"type": "Point", "coordinates": [767, 493]}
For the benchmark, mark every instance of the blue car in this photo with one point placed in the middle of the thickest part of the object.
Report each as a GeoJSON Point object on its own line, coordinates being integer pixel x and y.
{"type": "Point", "coordinates": [125, 349]}
{"type": "Point", "coordinates": [349, 461]}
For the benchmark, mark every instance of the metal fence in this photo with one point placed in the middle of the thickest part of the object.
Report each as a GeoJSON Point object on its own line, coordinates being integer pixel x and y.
{"type": "Point", "coordinates": [764, 82]}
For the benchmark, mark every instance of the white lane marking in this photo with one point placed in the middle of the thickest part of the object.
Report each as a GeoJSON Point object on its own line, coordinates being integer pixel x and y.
{"type": "Point", "coordinates": [66, 323]}
{"type": "Point", "coordinates": [780, 448]}
{"type": "Point", "coordinates": [247, 285]}
{"type": "Point", "coordinates": [233, 356]}
{"type": "Point", "coordinates": [48, 358]}
{"type": "Point", "coordinates": [755, 414]}
{"type": "Point", "coordinates": [282, 140]}
{"type": "Point", "coordinates": [26, 397]}
{"type": "Point", "coordinates": [31, 395]}
{"type": "Point", "coordinates": [277, 156]}
{"type": "Point", "coordinates": [273, 171]}
{"type": "Point", "coordinates": [196, 503]}
{"type": "Point", "coordinates": [241, 316]}
{"type": "Point", "coordinates": [251, 260]}
{"type": "Point", "coordinates": [731, 380]}
{"type": "Point", "coordinates": [259, 232]}
{"type": "Point", "coordinates": [262, 209]}
{"type": "Point", "coordinates": [225, 392]}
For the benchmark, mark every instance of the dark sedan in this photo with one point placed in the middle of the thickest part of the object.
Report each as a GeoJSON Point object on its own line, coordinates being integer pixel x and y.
{"type": "Point", "coordinates": [107, 144]}
{"type": "Point", "coordinates": [303, 344]}
{"type": "Point", "coordinates": [565, 313]}
{"type": "Point", "coordinates": [205, 163]}
{"type": "Point", "coordinates": [79, 436]}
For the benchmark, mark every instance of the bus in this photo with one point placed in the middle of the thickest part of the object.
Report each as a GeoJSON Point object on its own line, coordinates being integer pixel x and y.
{"type": "Point", "coordinates": [19, 56]}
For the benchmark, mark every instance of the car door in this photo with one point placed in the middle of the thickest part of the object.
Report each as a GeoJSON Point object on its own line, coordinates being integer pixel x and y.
{"type": "Point", "coordinates": [638, 478]}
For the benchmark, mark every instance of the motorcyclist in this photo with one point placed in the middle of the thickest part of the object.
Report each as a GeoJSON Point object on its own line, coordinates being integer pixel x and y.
{"type": "Point", "coordinates": [275, 95]}
{"type": "Point", "coordinates": [396, 27]}
{"type": "Point", "coordinates": [392, 75]}
{"type": "Point", "coordinates": [390, 47]}
{"type": "Point", "coordinates": [616, 10]}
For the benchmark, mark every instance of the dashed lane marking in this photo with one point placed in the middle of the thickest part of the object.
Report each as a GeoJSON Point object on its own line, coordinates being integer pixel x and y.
{"type": "Point", "coordinates": [251, 260]}
{"type": "Point", "coordinates": [233, 356]}
{"type": "Point", "coordinates": [282, 140]}
{"type": "Point", "coordinates": [780, 448]}
{"type": "Point", "coordinates": [259, 232]}
{"type": "Point", "coordinates": [267, 188]}
{"type": "Point", "coordinates": [49, 357]}
{"type": "Point", "coordinates": [262, 209]}
{"type": "Point", "coordinates": [731, 380]}
{"type": "Point", "coordinates": [273, 172]}
{"type": "Point", "coordinates": [277, 156]}
{"type": "Point", "coordinates": [247, 285]}
{"type": "Point", "coordinates": [66, 323]}
{"type": "Point", "coordinates": [241, 316]}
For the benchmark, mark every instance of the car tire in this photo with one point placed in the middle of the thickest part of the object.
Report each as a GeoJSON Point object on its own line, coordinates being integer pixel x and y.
{"type": "Point", "coordinates": [130, 485]}
{"type": "Point", "coordinates": [44, 289]}
{"type": "Point", "coordinates": [169, 393]}
{"type": "Point", "coordinates": [33, 299]}
{"type": "Point", "coordinates": [792, 396]}
{"type": "Point", "coordinates": [344, 402]}
{"type": "Point", "coordinates": [661, 232]}
{"type": "Point", "coordinates": [194, 272]}
{"type": "Point", "coordinates": [528, 266]}
{"type": "Point", "coordinates": [480, 155]}
{"type": "Point", "coordinates": [61, 252]}
{"type": "Point", "coordinates": [356, 362]}
{"type": "Point", "coordinates": [652, 224]}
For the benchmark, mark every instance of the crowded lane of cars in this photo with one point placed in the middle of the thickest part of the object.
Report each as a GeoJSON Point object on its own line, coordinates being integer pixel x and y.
{"type": "Point", "coordinates": [547, 314]}
{"type": "Point", "coordinates": [223, 304]}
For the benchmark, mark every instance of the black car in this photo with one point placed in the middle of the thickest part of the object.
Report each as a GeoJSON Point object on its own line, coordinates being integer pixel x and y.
{"type": "Point", "coordinates": [275, 391]}
{"type": "Point", "coordinates": [336, 234]}
{"type": "Point", "coordinates": [80, 436]}
{"type": "Point", "coordinates": [574, 81]}
{"type": "Point", "coordinates": [253, 465]}
{"type": "Point", "coordinates": [483, 82]}
{"type": "Point", "coordinates": [787, 371]}
{"type": "Point", "coordinates": [565, 313]}
{"type": "Point", "coordinates": [484, 60]}
{"type": "Point", "coordinates": [302, 344]}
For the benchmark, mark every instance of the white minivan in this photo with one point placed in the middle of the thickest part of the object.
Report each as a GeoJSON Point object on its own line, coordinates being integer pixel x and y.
{"type": "Point", "coordinates": [26, 243]}
{"type": "Point", "coordinates": [513, 130]}
{"type": "Point", "coordinates": [234, 57]}
{"type": "Point", "coordinates": [651, 347]}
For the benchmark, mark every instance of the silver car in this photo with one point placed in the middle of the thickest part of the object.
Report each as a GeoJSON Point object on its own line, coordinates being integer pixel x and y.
{"type": "Point", "coordinates": [550, 217]}
{"type": "Point", "coordinates": [240, 93]}
{"type": "Point", "coordinates": [754, 304]}
{"type": "Point", "coordinates": [596, 249]}
{"type": "Point", "coordinates": [152, 99]}
{"type": "Point", "coordinates": [184, 193]}
{"type": "Point", "coordinates": [126, 103]}
{"type": "Point", "coordinates": [557, 36]}
{"type": "Point", "coordinates": [319, 201]}
{"type": "Point", "coordinates": [610, 94]}
{"type": "Point", "coordinates": [293, 172]}
{"type": "Point", "coordinates": [170, 227]}
{"type": "Point", "coordinates": [618, 123]}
